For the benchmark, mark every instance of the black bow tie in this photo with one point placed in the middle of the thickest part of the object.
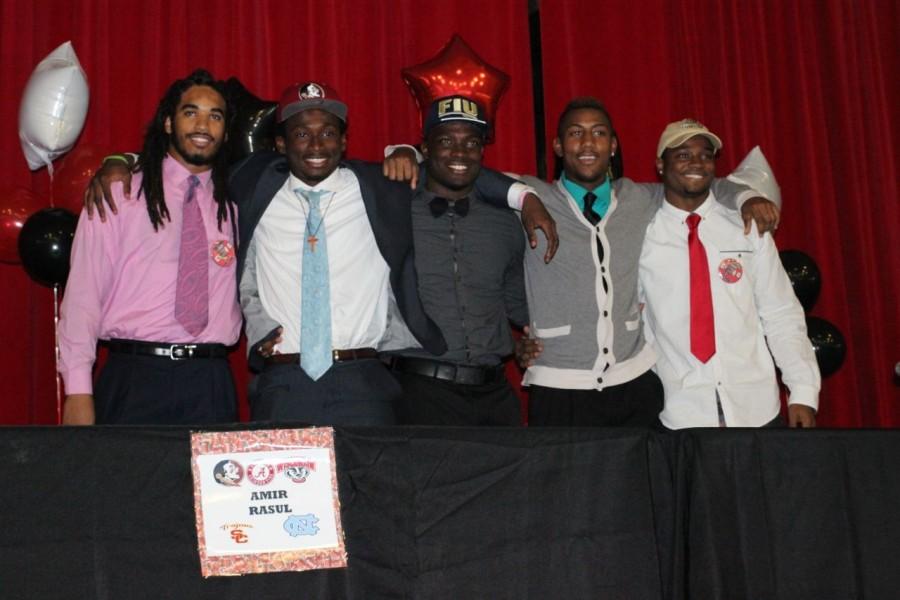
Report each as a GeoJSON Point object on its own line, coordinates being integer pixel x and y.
{"type": "Point", "coordinates": [439, 206]}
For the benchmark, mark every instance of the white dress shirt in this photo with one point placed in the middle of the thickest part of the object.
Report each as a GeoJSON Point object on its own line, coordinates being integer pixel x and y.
{"type": "Point", "coordinates": [359, 275]}
{"type": "Point", "coordinates": [753, 303]}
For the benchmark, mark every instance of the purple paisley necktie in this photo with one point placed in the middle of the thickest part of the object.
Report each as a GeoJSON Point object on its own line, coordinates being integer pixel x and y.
{"type": "Point", "coordinates": [192, 288]}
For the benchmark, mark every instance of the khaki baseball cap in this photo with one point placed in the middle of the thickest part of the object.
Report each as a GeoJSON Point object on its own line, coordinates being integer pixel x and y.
{"type": "Point", "coordinates": [677, 133]}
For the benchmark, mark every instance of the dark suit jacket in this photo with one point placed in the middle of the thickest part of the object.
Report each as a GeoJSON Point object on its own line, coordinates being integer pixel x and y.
{"type": "Point", "coordinates": [253, 184]}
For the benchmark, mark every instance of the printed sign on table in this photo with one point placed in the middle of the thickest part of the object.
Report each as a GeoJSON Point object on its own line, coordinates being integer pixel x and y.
{"type": "Point", "coordinates": [266, 501]}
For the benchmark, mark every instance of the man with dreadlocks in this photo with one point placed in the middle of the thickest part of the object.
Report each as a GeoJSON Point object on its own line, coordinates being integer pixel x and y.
{"type": "Point", "coordinates": [157, 285]}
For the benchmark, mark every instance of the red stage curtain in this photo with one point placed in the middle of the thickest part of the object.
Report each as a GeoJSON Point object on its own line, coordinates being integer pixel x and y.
{"type": "Point", "coordinates": [131, 51]}
{"type": "Point", "coordinates": [815, 85]}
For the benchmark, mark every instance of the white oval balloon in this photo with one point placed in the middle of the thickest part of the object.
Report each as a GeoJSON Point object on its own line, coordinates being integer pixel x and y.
{"type": "Point", "coordinates": [53, 109]}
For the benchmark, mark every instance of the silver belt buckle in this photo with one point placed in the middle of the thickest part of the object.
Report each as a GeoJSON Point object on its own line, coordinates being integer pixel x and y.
{"type": "Point", "coordinates": [181, 351]}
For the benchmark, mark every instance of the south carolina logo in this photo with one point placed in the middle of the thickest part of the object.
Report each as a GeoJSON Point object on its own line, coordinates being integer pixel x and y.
{"type": "Point", "coordinates": [730, 270]}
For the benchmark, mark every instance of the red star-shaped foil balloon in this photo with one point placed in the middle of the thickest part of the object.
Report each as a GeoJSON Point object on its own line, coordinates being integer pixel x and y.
{"type": "Point", "coordinates": [456, 69]}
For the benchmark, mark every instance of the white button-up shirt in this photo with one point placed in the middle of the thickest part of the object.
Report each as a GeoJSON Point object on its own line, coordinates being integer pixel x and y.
{"type": "Point", "coordinates": [753, 303]}
{"type": "Point", "coordinates": [359, 275]}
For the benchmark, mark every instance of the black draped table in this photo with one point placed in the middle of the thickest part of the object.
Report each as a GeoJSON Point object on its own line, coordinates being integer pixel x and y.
{"type": "Point", "coordinates": [107, 513]}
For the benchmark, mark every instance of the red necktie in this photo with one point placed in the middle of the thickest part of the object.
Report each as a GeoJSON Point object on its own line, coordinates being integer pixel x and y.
{"type": "Point", "coordinates": [703, 330]}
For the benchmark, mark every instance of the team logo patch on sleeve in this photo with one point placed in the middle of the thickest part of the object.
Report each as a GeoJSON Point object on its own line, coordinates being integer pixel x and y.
{"type": "Point", "coordinates": [731, 270]}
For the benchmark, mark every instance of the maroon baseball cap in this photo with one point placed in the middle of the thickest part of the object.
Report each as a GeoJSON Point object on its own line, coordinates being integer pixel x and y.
{"type": "Point", "coordinates": [303, 96]}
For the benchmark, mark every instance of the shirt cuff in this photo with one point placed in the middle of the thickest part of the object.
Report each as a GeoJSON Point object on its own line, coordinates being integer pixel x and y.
{"type": "Point", "coordinates": [515, 197]}
{"type": "Point", "coordinates": [388, 150]}
{"type": "Point", "coordinates": [748, 194]}
{"type": "Point", "coordinates": [805, 395]}
{"type": "Point", "coordinates": [78, 382]}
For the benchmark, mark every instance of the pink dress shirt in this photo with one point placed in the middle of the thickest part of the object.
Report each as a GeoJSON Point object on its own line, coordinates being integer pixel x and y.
{"type": "Point", "coordinates": [123, 273]}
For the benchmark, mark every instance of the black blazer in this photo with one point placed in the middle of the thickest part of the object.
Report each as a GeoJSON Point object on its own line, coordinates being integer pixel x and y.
{"type": "Point", "coordinates": [256, 180]}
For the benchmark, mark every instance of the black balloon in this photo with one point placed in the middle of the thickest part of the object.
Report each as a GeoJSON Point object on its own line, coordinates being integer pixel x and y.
{"type": "Point", "coordinates": [828, 343]}
{"type": "Point", "coordinates": [45, 242]}
{"type": "Point", "coordinates": [253, 125]}
{"type": "Point", "coordinates": [804, 275]}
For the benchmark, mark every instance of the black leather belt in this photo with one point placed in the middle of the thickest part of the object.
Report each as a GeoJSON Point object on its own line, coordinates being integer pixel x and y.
{"type": "Point", "coordinates": [445, 371]}
{"type": "Point", "coordinates": [336, 356]}
{"type": "Point", "coordinates": [170, 351]}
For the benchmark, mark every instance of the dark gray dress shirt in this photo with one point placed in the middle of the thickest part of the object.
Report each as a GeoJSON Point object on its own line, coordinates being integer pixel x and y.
{"type": "Point", "coordinates": [471, 277]}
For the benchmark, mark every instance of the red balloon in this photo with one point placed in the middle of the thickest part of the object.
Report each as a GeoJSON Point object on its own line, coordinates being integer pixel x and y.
{"type": "Point", "coordinates": [456, 69]}
{"type": "Point", "coordinates": [73, 174]}
{"type": "Point", "coordinates": [16, 205]}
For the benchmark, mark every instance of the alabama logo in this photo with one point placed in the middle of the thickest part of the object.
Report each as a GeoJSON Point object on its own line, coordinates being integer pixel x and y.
{"type": "Point", "coordinates": [260, 473]}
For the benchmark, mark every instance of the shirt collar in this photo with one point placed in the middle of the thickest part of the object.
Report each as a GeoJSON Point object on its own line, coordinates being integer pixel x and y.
{"type": "Point", "coordinates": [602, 192]}
{"type": "Point", "coordinates": [177, 173]}
{"type": "Point", "coordinates": [703, 210]}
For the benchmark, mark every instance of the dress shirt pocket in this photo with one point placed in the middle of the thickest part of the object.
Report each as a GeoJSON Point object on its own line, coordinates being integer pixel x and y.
{"type": "Point", "coordinates": [552, 332]}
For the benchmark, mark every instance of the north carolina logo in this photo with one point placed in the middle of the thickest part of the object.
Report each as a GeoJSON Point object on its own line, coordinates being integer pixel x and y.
{"type": "Point", "coordinates": [730, 270]}
{"type": "Point", "coordinates": [228, 472]}
{"type": "Point", "coordinates": [297, 525]}
{"type": "Point", "coordinates": [311, 90]}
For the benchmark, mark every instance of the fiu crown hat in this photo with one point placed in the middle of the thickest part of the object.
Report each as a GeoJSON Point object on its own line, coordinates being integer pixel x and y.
{"type": "Point", "coordinates": [677, 133]}
{"type": "Point", "coordinates": [303, 96]}
{"type": "Point", "coordinates": [454, 108]}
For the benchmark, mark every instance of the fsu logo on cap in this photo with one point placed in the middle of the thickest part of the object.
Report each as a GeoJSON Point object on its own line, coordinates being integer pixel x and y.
{"type": "Point", "coordinates": [731, 270]}
{"type": "Point", "coordinates": [310, 91]}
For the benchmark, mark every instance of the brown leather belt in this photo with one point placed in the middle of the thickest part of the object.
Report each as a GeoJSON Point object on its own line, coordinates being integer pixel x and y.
{"type": "Point", "coordinates": [336, 356]}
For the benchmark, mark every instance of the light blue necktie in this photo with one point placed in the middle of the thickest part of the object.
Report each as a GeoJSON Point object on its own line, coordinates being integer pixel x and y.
{"type": "Point", "coordinates": [315, 306]}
